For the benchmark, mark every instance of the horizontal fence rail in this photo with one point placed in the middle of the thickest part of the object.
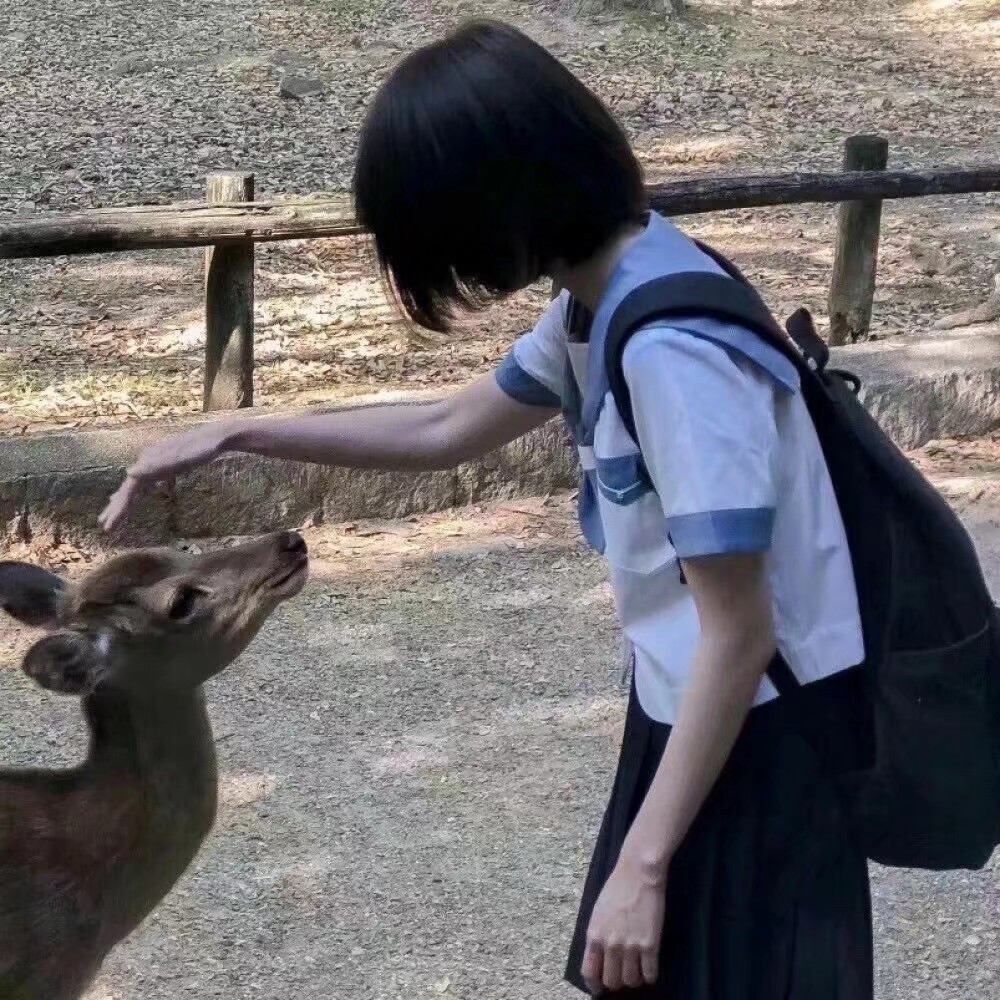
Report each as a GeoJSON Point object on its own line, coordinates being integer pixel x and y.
{"type": "Point", "coordinates": [160, 227]}
{"type": "Point", "coordinates": [199, 224]}
{"type": "Point", "coordinates": [229, 222]}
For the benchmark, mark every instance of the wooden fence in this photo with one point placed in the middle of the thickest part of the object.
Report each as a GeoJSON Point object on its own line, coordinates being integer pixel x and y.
{"type": "Point", "coordinates": [230, 221]}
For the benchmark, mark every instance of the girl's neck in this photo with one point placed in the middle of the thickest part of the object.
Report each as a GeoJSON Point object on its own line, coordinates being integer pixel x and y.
{"type": "Point", "coordinates": [588, 280]}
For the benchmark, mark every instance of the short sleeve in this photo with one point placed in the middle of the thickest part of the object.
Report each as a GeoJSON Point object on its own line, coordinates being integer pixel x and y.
{"type": "Point", "coordinates": [534, 370]}
{"type": "Point", "coordinates": [706, 425]}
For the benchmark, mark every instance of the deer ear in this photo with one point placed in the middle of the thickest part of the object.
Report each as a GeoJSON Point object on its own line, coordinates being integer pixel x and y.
{"type": "Point", "coordinates": [65, 662]}
{"type": "Point", "coordinates": [30, 594]}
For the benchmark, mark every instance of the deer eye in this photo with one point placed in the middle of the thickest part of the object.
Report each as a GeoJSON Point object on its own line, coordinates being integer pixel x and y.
{"type": "Point", "coordinates": [184, 603]}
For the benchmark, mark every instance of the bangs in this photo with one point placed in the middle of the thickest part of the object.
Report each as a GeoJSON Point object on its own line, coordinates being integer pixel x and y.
{"type": "Point", "coordinates": [482, 162]}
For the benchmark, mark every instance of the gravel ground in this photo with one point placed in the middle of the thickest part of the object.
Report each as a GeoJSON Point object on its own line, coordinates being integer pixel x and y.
{"type": "Point", "coordinates": [409, 798]}
{"type": "Point", "coordinates": [113, 102]}
{"type": "Point", "coordinates": [414, 758]}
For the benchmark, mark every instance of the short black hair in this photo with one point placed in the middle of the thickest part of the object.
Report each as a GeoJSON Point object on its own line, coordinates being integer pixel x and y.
{"type": "Point", "coordinates": [482, 162]}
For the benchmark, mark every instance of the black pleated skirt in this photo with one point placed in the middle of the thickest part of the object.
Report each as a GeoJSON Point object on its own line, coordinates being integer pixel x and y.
{"type": "Point", "coordinates": [767, 898]}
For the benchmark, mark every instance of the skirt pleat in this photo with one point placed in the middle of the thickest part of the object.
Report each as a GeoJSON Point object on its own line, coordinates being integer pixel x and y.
{"type": "Point", "coordinates": [767, 897]}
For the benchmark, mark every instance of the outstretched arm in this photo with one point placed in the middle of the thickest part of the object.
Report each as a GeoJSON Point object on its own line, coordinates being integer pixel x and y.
{"type": "Point", "coordinates": [408, 436]}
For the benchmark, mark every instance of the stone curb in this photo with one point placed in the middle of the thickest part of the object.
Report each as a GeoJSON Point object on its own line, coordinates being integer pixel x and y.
{"type": "Point", "coordinates": [53, 486]}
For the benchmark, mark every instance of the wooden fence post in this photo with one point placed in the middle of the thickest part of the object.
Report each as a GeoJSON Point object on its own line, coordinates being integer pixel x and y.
{"type": "Point", "coordinates": [852, 286]}
{"type": "Point", "coordinates": [229, 307]}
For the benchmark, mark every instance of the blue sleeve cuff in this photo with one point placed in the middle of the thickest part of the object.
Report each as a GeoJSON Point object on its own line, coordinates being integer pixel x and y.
{"type": "Point", "coordinates": [722, 532]}
{"type": "Point", "coordinates": [525, 388]}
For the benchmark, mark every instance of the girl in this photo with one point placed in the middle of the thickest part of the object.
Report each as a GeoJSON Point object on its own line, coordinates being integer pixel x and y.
{"type": "Point", "coordinates": [723, 870]}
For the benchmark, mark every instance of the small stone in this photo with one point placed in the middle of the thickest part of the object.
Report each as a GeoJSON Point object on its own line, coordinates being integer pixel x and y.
{"type": "Point", "coordinates": [297, 87]}
{"type": "Point", "coordinates": [132, 65]}
{"type": "Point", "coordinates": [973, 941]}
{"type": "Point", "coordinates": [287, 59]}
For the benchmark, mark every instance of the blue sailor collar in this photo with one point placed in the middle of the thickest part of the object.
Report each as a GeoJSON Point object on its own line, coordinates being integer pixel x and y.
{"type": "Point", "coordinates": [662, 249]}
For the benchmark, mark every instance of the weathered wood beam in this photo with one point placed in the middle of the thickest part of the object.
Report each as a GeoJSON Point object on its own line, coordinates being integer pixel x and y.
{"type": "Point", "coordinates": [229, 307]}
{"type": "Point", "coordinates": [855, 262]}
{"type": "Point", "coordinates": [716, 194]}
{"type": "Point", "coordinates": [107, 230]}
{"type": "Point", "coordinates": [158, 227]}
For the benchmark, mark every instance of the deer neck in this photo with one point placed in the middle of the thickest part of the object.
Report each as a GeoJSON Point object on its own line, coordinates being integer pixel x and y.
{"type": "Point", "coordinates": [154, 759]}
{"type": "Point", "coordinates": [164, 739]}
{"type": "Point", "coordinates": [163, 744]}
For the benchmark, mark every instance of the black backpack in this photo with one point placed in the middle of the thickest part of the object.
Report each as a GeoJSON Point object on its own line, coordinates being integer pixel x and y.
{"type": "Point", "coordinates": [931, 797]}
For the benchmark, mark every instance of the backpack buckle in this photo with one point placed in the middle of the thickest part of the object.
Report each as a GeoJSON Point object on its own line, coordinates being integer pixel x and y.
{"type": "Point", "coordinates": [852, 381]}
{"type": "Point", "coordinates": [802, 330]}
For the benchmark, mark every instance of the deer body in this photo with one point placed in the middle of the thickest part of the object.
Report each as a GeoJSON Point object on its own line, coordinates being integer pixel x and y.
{"type": "Point", "coordinates": [87, 853]}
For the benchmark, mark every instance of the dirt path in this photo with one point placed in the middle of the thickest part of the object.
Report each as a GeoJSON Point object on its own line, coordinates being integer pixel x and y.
{"type": "Point", "coordinates": [414, 759]}
{"type": "Point", "coordinates": [109, 102]}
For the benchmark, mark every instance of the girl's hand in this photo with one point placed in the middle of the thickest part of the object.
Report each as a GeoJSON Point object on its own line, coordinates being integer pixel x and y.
{"type": "Point", "coordinates": [162, 461]}
{"type": "Point", "coordinates": [623, 940]}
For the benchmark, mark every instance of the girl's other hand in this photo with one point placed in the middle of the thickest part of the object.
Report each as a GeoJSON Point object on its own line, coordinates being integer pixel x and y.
{"type": "Point", "coordinates": [623, 939]}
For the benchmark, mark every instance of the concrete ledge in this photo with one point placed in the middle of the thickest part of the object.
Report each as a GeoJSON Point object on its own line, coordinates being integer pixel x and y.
{"type": "Point", "coordinates": [53, 486]}
{"type": "Point", "coordinates": [934, 387]}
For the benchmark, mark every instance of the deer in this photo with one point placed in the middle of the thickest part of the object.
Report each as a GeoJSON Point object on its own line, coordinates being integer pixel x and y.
{"type": "Point", "coordinates": [87, 853]}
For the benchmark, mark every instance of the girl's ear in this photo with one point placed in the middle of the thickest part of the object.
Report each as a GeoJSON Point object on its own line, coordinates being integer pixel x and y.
{"type": "Point", "coordinates": [65, 662]}
{"type": "Point", "coordinates": [30, 594]}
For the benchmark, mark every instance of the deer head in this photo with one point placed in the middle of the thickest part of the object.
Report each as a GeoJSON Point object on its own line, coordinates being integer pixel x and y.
{"type": "Point", "coordinates": [153, 620]}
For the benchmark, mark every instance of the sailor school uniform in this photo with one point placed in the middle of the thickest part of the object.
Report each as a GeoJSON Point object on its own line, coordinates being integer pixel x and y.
{"type": "Point", "coordinates": [727, 462]}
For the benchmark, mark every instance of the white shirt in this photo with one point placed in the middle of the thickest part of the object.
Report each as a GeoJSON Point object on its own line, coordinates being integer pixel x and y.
{"type": "Point", "coordinates": [729, 462]}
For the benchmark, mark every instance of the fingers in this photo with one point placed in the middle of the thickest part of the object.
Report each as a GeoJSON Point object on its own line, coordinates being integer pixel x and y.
{"type": "Point", "coordinates": [650, 963]}
{"type": "Point", "coordinates": [592, 969]}
{"type": "Point", "coordinates": [114, 513]}
{"type": "Point", "coordinates": [607, 969]}
{"type": "Point", "coordinates": [157, 463]}
{"type": "Point", "coordinates": [612, 977]}
{"type": "Point", "coordinates": [109, 518]}
{"type": "Point", "coordinates": [632, 968]}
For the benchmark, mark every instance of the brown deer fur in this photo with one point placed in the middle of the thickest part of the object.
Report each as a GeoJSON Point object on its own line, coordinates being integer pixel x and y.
{"type": "Point", "coordinates": [87, 853]}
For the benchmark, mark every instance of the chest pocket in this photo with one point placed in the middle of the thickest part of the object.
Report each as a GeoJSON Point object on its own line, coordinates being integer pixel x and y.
{"type": "Point", "coordinates": [635, 530]}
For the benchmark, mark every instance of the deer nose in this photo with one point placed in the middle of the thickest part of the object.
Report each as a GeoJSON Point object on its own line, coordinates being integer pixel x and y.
{"type": "Point", "coordinates": [293, 543]}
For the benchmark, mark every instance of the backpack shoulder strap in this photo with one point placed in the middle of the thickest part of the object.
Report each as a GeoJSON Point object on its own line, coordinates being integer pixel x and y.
{"type": "Point", "coordinates": [729, 297]}
{"type": "Point", "coordinates": [714, 296]}
{"type": "Point", "coordinates": [800, 326]}
{"type": "Point", "coordinates": [726, 297]}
